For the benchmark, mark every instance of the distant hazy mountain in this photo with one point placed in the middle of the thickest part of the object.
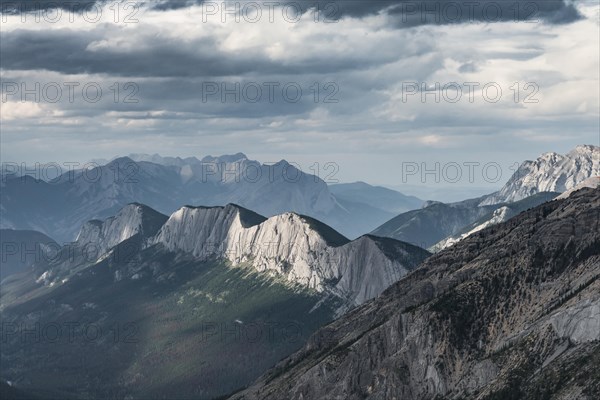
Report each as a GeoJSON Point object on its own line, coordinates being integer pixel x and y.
{"type": "Point", "coordinates": [220, 293]}
{"type": "Point", "coordinates": [376, 196]}
{"type": "Point", "coordinates": [434, 222]}
{"type": "Point", "coordinates": [501, 213]}
{"type": "Point", "coordinates": [446, 193]}
{"type": "Point", "coordinates": [551, 172]}
{"type": "Point", "coordinates": [60, 206]}
{"type": "Point", "coordinates": [21, 249]}
{"type": "Point", "coordinates": [439, 225]}
{"type": "Point", "coordinates": [511, 312]}
{"type": "Point", "coordinates": [172, 161]}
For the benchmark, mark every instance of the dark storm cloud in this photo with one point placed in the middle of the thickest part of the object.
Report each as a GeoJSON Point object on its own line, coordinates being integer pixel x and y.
{"type": "Point", "coordinates": [404, 13]}
{"type": "Point", "coordinates": [70, 52]}
{"type": "Point", "coordinates": [14, 7]}
{"type": "Point", "coordinates": [66, 52]}
{"type": "Point", "coordinates": [428, 12]}
{"type": "Point", "coordinates": [408, 13]}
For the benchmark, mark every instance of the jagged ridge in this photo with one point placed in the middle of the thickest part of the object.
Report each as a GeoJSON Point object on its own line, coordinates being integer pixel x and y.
{"type": "Point", "coordinates": [297, 248]}
{"type": "Point", "coordinates": [551, 172]}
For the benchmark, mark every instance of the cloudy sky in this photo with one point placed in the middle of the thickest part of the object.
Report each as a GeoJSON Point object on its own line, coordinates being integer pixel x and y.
{"type": "Point", "coordinates": [367, 85]}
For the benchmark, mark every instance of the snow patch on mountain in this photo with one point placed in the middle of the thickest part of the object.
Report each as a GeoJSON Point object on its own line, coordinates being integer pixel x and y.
{"type": "Point", "coordinates": [500, 215]}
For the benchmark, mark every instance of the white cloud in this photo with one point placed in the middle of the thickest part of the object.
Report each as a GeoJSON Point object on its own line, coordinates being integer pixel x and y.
{"type": "Point", "coordinates": [366, 57]}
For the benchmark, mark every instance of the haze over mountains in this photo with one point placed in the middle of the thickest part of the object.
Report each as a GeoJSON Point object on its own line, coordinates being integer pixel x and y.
{"type": "Point", "coordinates": [59, 206]}
{"type": "Point", "coordinates": [21, 249]}
{"type": "Point", "coordinates": [438, 225]}
{"type": "Point", "coordinates": [377, 196]}
{"type": "Point", "coordinates": [220, 269]}
{"type": "Point", "coordinates": [191, 286]}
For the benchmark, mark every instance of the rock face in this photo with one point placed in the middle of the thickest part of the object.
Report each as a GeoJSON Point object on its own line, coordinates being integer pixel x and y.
{"type": "Point", "coordinates": [593, 182]}
{"type": "Point", "coordinates": [298, 248]}
{"type": "Point", "coordinates": [131, 220]}
{"type": "Point", "coordinates": [291, 246]}
{"type": "Point", "coordinates": [551, 172]}
{"type": "Point", "coordinates": [510, 312]}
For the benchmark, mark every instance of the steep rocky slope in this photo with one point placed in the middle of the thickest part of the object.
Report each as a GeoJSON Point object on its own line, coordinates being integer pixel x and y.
{"type": "Point", "coordinates": [593, 182]}
{"type": "Point", "coordinates": [295, 248]}
{"type": "Point", "coordinates": [298, 248]}
{"type": "Point", "coordinates": [131, 220]}
{"type": "Point", "coordinates": [511, 312]}
{"type": "Point", "coordinates": [551, 172]}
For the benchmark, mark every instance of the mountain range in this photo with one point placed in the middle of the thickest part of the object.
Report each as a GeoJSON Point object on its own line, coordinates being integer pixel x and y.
{"type": "Point", "coordinates": [237, 290]}
{"type": "Point", "coordinates": [193, 292]}
{"type": "Point", "coordinates": [376, 196]}
{"type": "Point", "coordinates": [510, 312]}
{"type": "Point", "coordinates": [551, 172]}
{"type": "Point", "coordinates": [59, 206]}
{"type": "Point", "coordinates": [438, 225]}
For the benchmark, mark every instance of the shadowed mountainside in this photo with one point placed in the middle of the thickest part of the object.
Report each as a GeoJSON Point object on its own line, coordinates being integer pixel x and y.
{"type": "Point", "coordinates": [510, 312]}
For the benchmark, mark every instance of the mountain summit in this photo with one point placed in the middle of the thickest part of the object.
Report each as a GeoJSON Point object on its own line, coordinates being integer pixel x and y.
{"type": "Point", "coordinates": [438, 225]}
{"type": "Point", "coordinates": [551, 172]}
{"type": "Point", "coordinates": [291, 247]}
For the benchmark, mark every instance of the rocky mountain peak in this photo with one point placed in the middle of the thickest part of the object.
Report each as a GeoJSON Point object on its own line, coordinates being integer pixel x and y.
{"type": "Point", "coordinates": [131, 220]}
{"type": "Point", "coordinates": [296, 248]}
{"type": "Point", "coordinates": [551, 172]}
